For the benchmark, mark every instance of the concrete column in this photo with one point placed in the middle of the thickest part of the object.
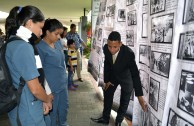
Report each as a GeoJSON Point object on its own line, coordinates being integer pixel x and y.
{"type": "Point", "coordinates": [83, 29]}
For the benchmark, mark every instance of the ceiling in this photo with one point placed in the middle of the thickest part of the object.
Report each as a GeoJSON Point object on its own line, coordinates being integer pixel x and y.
{"type": "Point", "coordinates": [63, 10]}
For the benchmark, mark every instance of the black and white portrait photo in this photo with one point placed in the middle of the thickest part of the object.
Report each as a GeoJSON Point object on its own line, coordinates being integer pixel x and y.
{"type": "Point", "coordinates": [154, 93]}
{"type": "Point", "coordinates": [145, 2]}
{"type": "Point", "coordinates": [144, 25]}
{"type": "Point", "coordinates": [121, 15]}
{"type": "Point", "coordinates": [144, 54]}
{"type": "Point", "coordinates": [175, 120]}
{"type": "Point", "coordinates": [131, 18]}
{"type": "Point", "coordinates": [186, 46]}
{"type": "Point", "coordinates": [99, 34]}
{"type": "Point", "coordinates": [188, 14]}
{"type": "Point", "coordinates": [157, 6]}
{"type": "Point", "coordinates": [108, 14]}
{"type": "Point", "coordinates": [162, 29]}
{"type": "Point", "coordinates": [130, 2]}
{"type": "Point", "coordinates": [160, 63]}
{"type": "Point", "coordinates": [186, 92]}
{"type": "Point", "coordinates": [144, 76]}
{"type": "Point", "coordinates": [130, 37]}
{"type": "Point", "coordinates": [100, 19]}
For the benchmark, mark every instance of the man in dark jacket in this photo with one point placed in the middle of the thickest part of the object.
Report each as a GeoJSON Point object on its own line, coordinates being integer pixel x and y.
{"type": "Point", "coordinates": [119, 68]}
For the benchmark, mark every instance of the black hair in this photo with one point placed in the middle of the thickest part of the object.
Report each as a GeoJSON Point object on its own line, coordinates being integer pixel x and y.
{"type": "Point", "coordinates": [114, 36]}
{"type": "Point", "coordinates": [51, 25]}
{"type": "Point", "coordinates": [72, 26]}
{"type": "Point", "coordinates": [64, 29]}
{"type": "Point", "coordinates": [70, 41]}
{"type": "Point", "coordinates": [19, 16]}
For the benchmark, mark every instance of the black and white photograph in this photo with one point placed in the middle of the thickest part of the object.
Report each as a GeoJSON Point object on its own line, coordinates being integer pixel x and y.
{"type": "Point", "coordinates": [186, 92]}
{"type": "Point", "coordinates": [145, 2]}
{"type": "Point", "coordinates": [188, 14]}
{"type": "Point", "coordinates": [144, 25]}
{"type": "Point", "coordinates": [110, 11]}
{"type": "Point", "coordinates": [121, 15]}
{"type": "Point", "coordinates": [157, 6]}
{"type": "Point", "coordinates": [99, 34]}
{"type": "Point", "coordinates": [145, 118]}
{"type": "Point", "coordinates": [130, 2]}
{"type": "Point", "coordinates": [186, 46]}
{"type": "Point", "coordinates": [153, 121]}
{"type": "Point", "coordinates": [162, 29]}
{"type": "Point", "coordinates": [160, 63]}
{"type": "Point", "coordinates": [131, 18]}
{"type": "Point", "coordinates": [144, 54]}
{"type": "Point", "coordinates": [102, 7]}
{"type": "Point", "coordinates": [144, 76]}
{"type": "Point", "coordinates": [154, 93]}
{"type": "Point", "coordinates": [176, 120]}
{"type": "Point", "coordinates": [100, 19]}
{"type": "Point", "coordinates": [130, 37]}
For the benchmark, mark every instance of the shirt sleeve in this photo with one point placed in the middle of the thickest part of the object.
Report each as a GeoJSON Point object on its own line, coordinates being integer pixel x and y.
{"type": "Point", "coordinates": [24, 61]}
{"type": "Point", "coordinates": [135, 75]}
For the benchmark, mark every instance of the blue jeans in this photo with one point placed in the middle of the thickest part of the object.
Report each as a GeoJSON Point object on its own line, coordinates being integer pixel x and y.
{"type": "Point", "coordinates": [60, 108]}
{"type": "Point", "coordinates": [70, 76]}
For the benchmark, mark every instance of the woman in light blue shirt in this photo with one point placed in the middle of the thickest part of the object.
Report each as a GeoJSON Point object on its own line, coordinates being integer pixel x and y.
{"type": "Point", "coordinates": [51, 53]}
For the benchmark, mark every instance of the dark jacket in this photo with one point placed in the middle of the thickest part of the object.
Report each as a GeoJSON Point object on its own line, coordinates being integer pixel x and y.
{"type": "Point", "coordinates": [124, 71]}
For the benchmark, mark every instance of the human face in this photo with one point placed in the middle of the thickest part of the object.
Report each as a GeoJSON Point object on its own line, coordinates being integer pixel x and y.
{"type": "Point", "coordinates": [72, 46]}
{"type": "Point", "coordinates": [36, 28]}
{"type": "Point", "coordinates": [114, 46]}
{"type": "Point", "coordinates": [54, 36]}
{"type": "Point", "coordinates": [73, 30]}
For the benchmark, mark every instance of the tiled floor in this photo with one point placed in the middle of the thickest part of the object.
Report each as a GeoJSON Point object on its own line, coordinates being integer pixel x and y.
{"type": "Point", "coordinates": [84, 103]}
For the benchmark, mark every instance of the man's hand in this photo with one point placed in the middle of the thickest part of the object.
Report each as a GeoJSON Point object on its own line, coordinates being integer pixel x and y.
{"type": "Point", "coordinates": [107, 85]}
{"type": "Point", "coordinates": [142, 103]}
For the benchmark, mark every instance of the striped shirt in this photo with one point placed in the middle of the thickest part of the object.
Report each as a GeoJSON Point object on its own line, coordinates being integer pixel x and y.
{"type": "Point", "coordinates": [72, 54]}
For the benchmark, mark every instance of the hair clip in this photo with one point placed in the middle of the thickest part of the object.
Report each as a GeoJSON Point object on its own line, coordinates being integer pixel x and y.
{"type": "Point", "coordinates": [20, 8]}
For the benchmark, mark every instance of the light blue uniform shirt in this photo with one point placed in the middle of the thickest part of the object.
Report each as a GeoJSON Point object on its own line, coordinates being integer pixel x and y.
{"type": "Point", "coordinates": [53, 65]}
{"type": "Point", "coordinates": [21, 62]}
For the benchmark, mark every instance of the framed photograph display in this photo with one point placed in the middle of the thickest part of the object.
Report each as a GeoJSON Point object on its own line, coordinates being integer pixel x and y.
{"type": "Point", "coordinates": [157, 6]}
{"type": "Point", "coordinates": [160, 63]}
{"type": "Point", "coordinates": [186, 46]}
{"type": "Point", "coordinates": [188, 13]}
{"type": "Point", "coordinates": [131, 18]}
{"type": "Point", "coordinates": [176, 120]}
{"type": "Point", "coordinates": [130, 37]}
{"type": "Point", "coordinates": [154, 93]}
{"type": "Point", "coordinates": [121, 15]}
{"type": "Point", "coordinates": [144, 33]}
{"type": "Point", "coordinates": [144, 54]}
{"type": "Point", "coordinates": [162, 29]}
{"type": "Point", "coordinates": [144, 76]}
{"type": "Point", "coordinates": [185, 98]}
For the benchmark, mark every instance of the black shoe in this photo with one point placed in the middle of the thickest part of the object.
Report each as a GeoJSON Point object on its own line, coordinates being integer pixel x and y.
{"type": "Point", "coordinates": [80, 79]}
{"type": "Point", "coordinates": [117, 124]}
{"type": "Point", "coordinates": [100, 120]}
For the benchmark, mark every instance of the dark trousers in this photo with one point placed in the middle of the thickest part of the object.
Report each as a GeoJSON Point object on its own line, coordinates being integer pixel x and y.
{"type": "Point", "coordinates": [108, 101]}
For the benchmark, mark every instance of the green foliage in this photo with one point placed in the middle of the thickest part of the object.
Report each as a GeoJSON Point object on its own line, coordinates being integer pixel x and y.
{"type": "Point", "coordinates": [86, 51]}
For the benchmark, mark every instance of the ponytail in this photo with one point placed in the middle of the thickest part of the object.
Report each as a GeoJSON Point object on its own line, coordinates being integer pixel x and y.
{"type": "Point", "coordinates": [11, 24]}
